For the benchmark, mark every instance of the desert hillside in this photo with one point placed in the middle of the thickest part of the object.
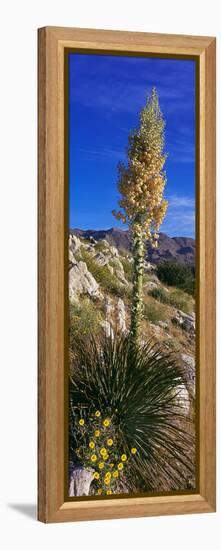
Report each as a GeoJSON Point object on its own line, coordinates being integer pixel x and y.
{"type": "Point", "coordinates": [100, 286]}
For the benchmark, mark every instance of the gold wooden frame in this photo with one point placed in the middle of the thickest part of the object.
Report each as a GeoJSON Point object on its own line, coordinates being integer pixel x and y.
{"type": "Point", "coordinates": [52, 252]}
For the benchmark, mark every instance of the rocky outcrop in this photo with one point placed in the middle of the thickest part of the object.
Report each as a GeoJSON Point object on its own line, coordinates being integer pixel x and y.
{"type": "Point", "coordinates": [115, 317]}
{"type": "Point", "coordinates": [113, 312]}
{"type": "Point", "coordinates": [82, 282]}
{"type": "Point", "coordinates": [80, 482]}
{"type": "Point", "coordinates": [185, 321]}
{"type": "Point", "coordinates": [74, 244]}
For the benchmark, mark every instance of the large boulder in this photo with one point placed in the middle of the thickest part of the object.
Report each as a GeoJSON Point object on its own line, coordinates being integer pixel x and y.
{"type": "Point", "coordinates": [80, 482]}
{"type": "Point", "coordinates": [82, 282]}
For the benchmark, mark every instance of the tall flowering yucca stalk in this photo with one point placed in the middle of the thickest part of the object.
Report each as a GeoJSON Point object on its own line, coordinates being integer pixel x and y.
{"type": "Point", "coordinates": [141, 184]}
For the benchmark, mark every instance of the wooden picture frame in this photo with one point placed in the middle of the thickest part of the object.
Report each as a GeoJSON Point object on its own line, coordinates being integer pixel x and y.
{"type": "Point", "coordinates": [52, 506]}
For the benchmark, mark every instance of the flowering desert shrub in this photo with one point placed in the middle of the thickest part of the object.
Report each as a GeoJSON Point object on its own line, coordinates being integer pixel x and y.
{"type": "Point", "coordinates": [99, 450]}
{"type": "Point", "coordinates": [126, 423]}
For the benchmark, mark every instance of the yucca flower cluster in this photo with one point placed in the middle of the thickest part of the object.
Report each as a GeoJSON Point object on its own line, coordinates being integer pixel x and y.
{"type": "Point", "coordinates": [141, 185]}
{"type": "Point", "coordinates": [98, 450]}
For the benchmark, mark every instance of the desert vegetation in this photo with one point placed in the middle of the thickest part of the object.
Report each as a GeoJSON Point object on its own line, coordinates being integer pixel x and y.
{"type": "Point", "coordinates": [132, 342]}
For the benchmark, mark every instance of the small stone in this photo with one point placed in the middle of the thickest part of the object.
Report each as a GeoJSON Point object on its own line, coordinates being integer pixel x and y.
{"type": "Point", "coordinates": [163, 324]}
{"type": "Point", "coordinates": [121, 316]}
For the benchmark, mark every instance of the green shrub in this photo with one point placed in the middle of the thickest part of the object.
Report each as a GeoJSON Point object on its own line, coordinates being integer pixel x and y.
{"type": "Point", "coordinates": [154, 312]}
{"type": "Point", "coordinates": [128, 268]}
{"type": "Point", "coordinates": [180, 300]}
{"type": "Point", "coordinates": [176, 298]}
{"type": "Point", "coordinates": [84, 320]}
{"type": "Point", "coordinates": [160, 294]}
{"type": "Point", "coordinates": [100, 246]}
{"type": "Point", "coordinates": [178, 275]}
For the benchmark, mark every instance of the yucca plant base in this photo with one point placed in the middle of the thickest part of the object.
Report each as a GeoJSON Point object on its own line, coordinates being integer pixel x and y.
{"type": "Point", "coordinates": [131, 420]}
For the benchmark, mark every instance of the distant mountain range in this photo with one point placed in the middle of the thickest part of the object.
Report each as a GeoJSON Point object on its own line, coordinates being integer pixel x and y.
{"type": "Point", "coordinates": [180, 249]}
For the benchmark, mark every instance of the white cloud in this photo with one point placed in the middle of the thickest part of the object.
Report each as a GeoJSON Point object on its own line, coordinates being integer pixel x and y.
{"type": "Point", "coordinates": [180, 216]}
{"type": "Point", "coordinates": [176, 201]}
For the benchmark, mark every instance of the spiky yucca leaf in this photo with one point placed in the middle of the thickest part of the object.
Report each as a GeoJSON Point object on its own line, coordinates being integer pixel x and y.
{"type": "Point", "coordinates": [139, 389]}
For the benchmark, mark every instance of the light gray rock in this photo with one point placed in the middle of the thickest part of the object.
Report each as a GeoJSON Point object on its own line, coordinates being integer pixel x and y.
{"type": "Point", "coordinates": [190, 371]}
{"type": "Point", "coordinates": [109, 308]}
{"type": "Point", "coordinates": [188, 360]}
{"type": "Point", "coordinates": [182, 398]}
{"type": "Point", "coordinates": [121, 316]}
{"type": "Point", "coordinates": [109, 333]}
{"type": "Point", "coordinates": [81, 281]}
{"type": "Point", "coordinates": [156, 329]}
{"type": "Point", "coordinates": [113, 251]}
{"type": "Point", "coordinates": [186, 322]}
{"type": "Point", "coordinates": [111, 269]}
{"type": "Point", "coordinates": [71, 257]}
{"type": "Point", "coordinates": [74, 243]}
{"type": "Point", "coordinates": [101, 258]}
{"type": "Point", "coordinates": [80, 482]}
{"type": "Point", "coordinates": [163, 324]}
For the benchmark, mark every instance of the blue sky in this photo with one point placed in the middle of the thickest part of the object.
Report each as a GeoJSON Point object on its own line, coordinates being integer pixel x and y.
{"type": "Point", "coordinates": [106, 94]}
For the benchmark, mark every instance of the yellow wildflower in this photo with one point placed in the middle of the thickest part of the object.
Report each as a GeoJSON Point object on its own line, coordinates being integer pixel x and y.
{"type": "Point", "coordinates": [110, 442]}
{"type": "Point", "coordinates": [109, 492]}
{"type": "Point", "coordinates": [91, 445]}
{"type": "Point", "coordinates": [133, 450]}
{"type": "Point", "coordinates": [105, 456]}
{"type": "Point", "coordinates": [120, 466]}
{"type": "Point", "coordinates": [103, 451]}
{"type": "Point", "coordinates": [115, 473]}
{"type": "Point", "coordinates": [93, 458]}
{"type": "Point", "coordinates": [107, 480]}
{"type": "Point", "coordinates": [99, 492]}
{"type": "Point", "coordinates": [96, 475]}
{"type": "Point", "coordinates": [124, 457]}
{"type": "Point", "coordinates": [97, 433]}
{"type": "Point", "coordinates": [81, 422]}
{"type": "Point", "coordinates": [106, 422]}
{"type": "Point", "coordinates": [111, 465]}
{"type": "Point", "coordinates": [101, 465]}
{"type": "Point", "coordinates": [97, 414]}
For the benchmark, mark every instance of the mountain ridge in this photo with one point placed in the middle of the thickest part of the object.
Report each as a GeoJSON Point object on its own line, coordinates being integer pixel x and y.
{"type": "Point", "coordinates": [180, 249]}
